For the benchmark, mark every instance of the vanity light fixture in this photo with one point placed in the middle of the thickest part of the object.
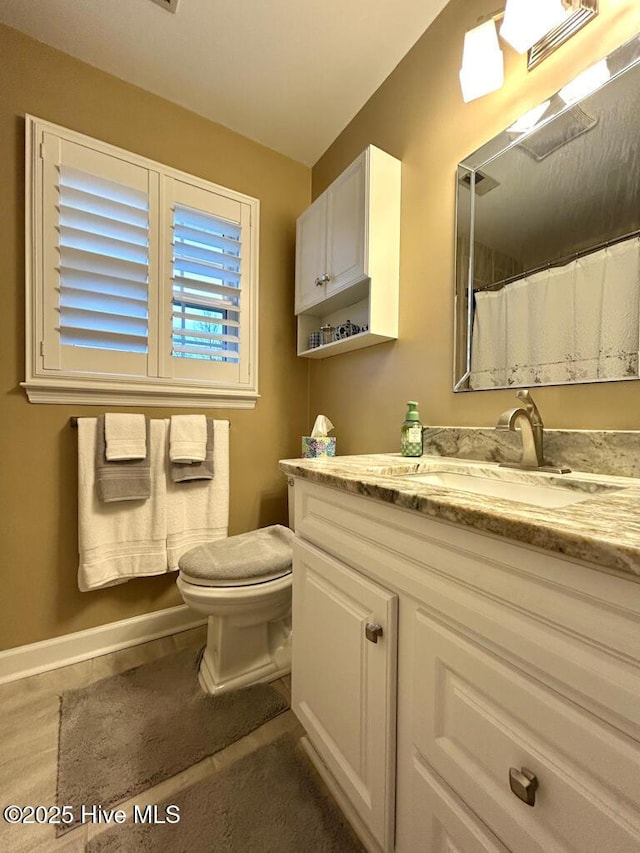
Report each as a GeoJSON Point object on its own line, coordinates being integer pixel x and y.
{"type": "Point", "coordinates": [585, 83]}
{"type": "Point", "coordinates": [530, 119]}
{"type": "Point", "coordinates": [536, 26]}
{"type": "Point", "coordinates": [482, 64]}
{"type": "Point", "coordinates": [526, 22]}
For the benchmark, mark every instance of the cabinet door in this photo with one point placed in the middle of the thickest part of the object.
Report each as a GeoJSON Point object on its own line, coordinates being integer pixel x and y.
{"type": "Point", "coordinates": [346, 228]}
{"type": "Point", "coordinates": [311, 257]}
{"type": "Point", "coordinates": [343, 685]}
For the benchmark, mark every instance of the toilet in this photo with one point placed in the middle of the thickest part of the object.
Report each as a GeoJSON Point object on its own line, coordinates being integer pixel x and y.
{"type": "Point", "coordinates": [243, 585]}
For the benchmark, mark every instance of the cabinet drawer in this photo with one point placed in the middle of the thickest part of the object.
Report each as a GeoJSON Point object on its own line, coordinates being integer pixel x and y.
{"type": "Point", "coordinates": [476, 716]}
{"type": "Point", "coordinates": [440, 822]}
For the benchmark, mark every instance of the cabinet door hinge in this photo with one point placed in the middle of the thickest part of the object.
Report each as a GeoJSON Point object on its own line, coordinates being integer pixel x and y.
{"type": "Point", "coordinates": [42, 349]}
{"type": "Point", "coordinates": [49, 148]}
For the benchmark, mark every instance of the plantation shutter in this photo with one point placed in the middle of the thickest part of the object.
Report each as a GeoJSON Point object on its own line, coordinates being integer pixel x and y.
{"type": "Point", "coordinates": [209, 306]}
{"type": "Point", "coordinates": [142, 281]}
{"type": "Point", "coordinates": [97, 222]}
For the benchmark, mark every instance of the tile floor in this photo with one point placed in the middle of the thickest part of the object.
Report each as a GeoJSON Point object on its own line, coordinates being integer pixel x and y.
{"type": "Point", "coordinates": [29, 742]}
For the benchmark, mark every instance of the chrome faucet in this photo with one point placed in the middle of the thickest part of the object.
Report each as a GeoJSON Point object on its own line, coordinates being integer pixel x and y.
{"type": "Point", "coordinates": [529, 420]}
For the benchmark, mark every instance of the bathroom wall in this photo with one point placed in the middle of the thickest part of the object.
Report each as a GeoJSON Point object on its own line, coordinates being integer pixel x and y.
{"type": "Point", "coordinates": [419, 116]}
{"type": "Point", "coordinates": [38, 480]}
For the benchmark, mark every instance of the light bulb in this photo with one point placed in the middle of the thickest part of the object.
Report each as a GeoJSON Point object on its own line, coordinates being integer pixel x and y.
{"type": "Point", "coordinates": [529, 119]}
{"type": "Point", "coordinates": [527, 21]}
{"type": "Point", "coordinates": [585, 83]}
{"type": "Point", "coordinates": [482, 64]}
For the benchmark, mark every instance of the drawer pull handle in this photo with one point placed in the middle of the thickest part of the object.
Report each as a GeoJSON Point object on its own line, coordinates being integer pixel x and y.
{"type": "Point", "coordinates": [373, 631]}
{"type": "Point", "coordinates": [524, 785]}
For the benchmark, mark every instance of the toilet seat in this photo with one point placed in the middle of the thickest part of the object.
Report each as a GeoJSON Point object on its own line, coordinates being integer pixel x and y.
{"type": "Point", "coordinates": [246, 559]}
{"type": "Point", "coordinates": [226, 599]}
{"type": "Point", "coordinates": [237, 582]}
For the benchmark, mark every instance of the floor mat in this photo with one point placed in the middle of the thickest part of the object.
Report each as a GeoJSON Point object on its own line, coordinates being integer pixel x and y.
{"type": "Point", "coordinates": [269, 801]}
{"type": "Point", "coordinates": [130, 731]}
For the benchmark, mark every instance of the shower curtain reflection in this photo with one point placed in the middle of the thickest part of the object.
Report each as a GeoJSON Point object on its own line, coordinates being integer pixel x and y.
{"type": "Point", "coordinates": [575, 323]}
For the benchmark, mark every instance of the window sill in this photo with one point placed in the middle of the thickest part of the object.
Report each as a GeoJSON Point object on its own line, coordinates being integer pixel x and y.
{"type": "Point", "coordinates": [121, 394]}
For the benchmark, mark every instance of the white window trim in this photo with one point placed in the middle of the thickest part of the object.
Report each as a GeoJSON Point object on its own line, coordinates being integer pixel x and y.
{"type": "Point", "coordinates": [87, 389]}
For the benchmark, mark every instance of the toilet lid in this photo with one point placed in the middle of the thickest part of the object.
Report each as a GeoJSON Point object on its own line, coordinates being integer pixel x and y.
{"type": "Point", "coordinates": [219, 582]}
{"type": "Point", "coordinates": [249, 558]}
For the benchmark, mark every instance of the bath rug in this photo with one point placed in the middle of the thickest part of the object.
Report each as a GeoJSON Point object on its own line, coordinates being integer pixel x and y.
{"type": "Point", "coordinates": [270, 801]}
{"type": "Point", "coordinates": [128, 732]}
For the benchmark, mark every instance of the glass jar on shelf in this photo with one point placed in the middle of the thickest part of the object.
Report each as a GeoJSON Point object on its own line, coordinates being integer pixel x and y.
{"type": "Point", "coordinates": [327, 333]}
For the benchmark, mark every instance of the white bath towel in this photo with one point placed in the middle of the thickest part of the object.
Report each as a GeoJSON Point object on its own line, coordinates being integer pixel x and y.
{"type": "Point", "coordinates": [120, 541]}
{"type": "Point", "coordinates": [125, 437]}
{"type": "Point", "coordinates": [198, 511]}
{"type": "Point", "coordinates": [188, 438]}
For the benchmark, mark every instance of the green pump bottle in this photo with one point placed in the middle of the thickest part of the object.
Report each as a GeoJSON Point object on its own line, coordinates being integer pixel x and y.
{"type": "Point", "coordinates": [411, 432]}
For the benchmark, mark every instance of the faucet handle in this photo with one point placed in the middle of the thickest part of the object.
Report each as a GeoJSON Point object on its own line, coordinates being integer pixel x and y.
{"type": "Point", "coordinates": [532, 410]}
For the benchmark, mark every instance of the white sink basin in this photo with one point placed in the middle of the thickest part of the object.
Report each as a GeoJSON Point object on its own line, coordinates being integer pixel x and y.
{"type": "Point", "coordinates": [538, 494]}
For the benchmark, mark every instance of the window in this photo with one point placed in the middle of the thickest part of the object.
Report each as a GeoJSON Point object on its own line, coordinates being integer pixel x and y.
{"type": "Point", "coordinates": [141, 280]}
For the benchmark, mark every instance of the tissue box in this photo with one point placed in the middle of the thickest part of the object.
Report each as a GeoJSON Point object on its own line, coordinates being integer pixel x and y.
{"type": "Point", "coordinates": [323, 446]}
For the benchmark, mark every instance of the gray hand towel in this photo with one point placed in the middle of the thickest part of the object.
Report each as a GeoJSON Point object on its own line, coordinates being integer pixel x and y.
{"type": "Point", "coordinates": [183, 472]}
{"type": "Point", "coordinates": [126, 480]}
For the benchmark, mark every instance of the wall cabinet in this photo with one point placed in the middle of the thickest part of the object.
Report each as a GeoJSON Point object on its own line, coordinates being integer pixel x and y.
{"type": "Point", "coordinates": [516, 670]}
{"type": "Point", "coordinates": [348, 256]}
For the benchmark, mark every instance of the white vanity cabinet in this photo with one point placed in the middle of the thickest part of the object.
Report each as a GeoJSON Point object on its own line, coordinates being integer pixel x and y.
{"type": "Point", "coordinates": [518, 676]}
{"type": "Point", "coordinates": [345, 627]}
{"type": "Point", "coordinates": [348, 256]}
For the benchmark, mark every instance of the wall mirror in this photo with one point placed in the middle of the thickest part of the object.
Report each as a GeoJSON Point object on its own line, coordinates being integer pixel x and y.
{"type": "Point", "coordinates": [547, 282]}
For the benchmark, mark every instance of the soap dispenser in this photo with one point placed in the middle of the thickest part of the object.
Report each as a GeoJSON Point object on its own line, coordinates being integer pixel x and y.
{"type": "Point", "coordinates": [411, 432]}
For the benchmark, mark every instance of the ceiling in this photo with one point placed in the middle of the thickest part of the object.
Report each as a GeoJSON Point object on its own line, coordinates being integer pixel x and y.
{"type": "Point", "coordinates": [290, 74]}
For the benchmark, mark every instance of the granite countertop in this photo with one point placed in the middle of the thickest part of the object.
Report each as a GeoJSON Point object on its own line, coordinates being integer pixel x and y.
{"type": "Point", "coordinates": [603, 529]}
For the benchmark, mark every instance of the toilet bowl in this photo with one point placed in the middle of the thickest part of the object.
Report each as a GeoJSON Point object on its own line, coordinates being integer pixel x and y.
{"type": "Point", "coordinates": [243, 585]}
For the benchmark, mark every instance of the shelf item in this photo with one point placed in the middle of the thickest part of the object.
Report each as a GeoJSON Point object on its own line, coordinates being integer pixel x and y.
{"type": "Point", "coordinates": [348, 256]}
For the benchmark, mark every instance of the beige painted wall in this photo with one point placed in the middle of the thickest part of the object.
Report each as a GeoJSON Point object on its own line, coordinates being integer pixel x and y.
{"type": "Point", "coordinates": [38, 480]}
{"type": "Point", "coordinates": [418, 115]}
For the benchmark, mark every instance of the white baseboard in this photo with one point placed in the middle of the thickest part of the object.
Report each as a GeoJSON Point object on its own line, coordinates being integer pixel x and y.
{"type": "Point", "coordinates": [81, 645]}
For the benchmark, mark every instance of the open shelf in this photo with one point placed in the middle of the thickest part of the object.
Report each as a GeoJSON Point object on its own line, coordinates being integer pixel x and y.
{"type": "Point", "coordinates": [353, 342]}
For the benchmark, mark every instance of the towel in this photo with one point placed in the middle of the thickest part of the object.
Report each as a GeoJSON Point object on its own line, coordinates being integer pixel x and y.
{"type": "Point", "coordinates": [188, 438]}
{"type": "Point", "coordinates": [129, 480]}
{"type": "Point", "coordinates": [125, 437]}
{"type": "Point", "coordinates": [198, 511]}
{"type": "Point", "coordinates": [119, 541]}
{"type": "Point", "coordinates": [182, 472]}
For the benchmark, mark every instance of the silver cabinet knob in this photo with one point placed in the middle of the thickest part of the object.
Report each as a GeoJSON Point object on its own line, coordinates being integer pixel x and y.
{"type": "Point", "coordinates": [524, 785]}
{"type": "Point", "coordinates": [373, 631]}
{"type": "Point", "coordinates": [319, 281]}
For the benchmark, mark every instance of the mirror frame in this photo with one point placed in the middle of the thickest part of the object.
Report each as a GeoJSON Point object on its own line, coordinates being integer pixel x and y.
{"type": "Point", "coordinates": [620, 61]}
